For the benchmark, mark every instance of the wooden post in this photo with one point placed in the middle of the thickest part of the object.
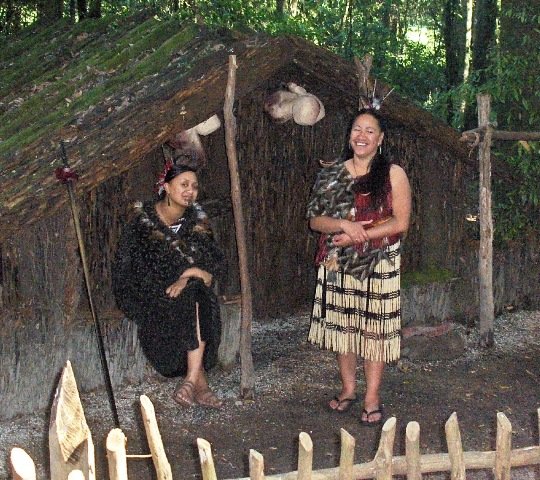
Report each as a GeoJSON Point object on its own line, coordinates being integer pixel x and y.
{"type": "Point", "coordinates": [346, 460]}
{"type": "Point", "coordinates": [383, 457]}
{"type": "Point", "coordinates": [256, 465]}
{"type": "Point", "coordinates": [75, 475]}
{"type": "Point", "coordinates": [412, 451]}
{"type": "Point", "coordinates": [68, 431]}
{"type": "Point", "coordinates": [503, 448]}
{"type": "Point", "coordinates": [206, 459]}
{"type": "Point", "coordinates": [485, 260]}
{"type": "Point", "coordinates": [247, 381]}
{"type": "Point", "coordinates": [161, 464]}
{"type": "Point", "coordinates": [231, 320]}
{"type": "Point", "coordinates": [116, 454]}
{"type": "Point", "coordinates": [22, 465]}
{"type": "Point", "coordinates": [305, 457]}
{"type": "Point", "coordinates": [455, 448]}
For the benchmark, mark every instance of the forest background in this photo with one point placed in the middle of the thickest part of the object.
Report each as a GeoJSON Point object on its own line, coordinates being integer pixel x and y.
{"type": "Point", "coordinates": [438, 53]}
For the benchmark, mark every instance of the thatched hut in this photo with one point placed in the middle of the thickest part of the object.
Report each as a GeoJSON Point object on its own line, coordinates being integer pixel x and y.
{"type": "Point", "coordinates": [115, 92]}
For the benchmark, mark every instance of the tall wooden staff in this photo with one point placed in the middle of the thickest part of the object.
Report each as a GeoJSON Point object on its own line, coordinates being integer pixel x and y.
{"type": "Point", "coordinates": [69, 177]}
{"type": "Point", "coordinates": [247, 381]}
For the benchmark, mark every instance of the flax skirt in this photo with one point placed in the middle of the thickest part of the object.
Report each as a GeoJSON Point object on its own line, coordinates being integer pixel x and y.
{"type": "Point", "coordinates": [359, 317]}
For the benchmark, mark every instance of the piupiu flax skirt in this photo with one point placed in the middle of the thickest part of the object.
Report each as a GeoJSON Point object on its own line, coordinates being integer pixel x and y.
{"type": "Point", "coordinates": [362, 317]}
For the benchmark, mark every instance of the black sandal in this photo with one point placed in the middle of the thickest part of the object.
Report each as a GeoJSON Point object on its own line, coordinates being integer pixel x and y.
{"type": "Point", "coordinates": [347, 403]}
{"type": "Point", "coordinates": [366, 422]}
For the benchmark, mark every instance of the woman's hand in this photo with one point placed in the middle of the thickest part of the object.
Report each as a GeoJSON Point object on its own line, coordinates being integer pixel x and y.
{"type": "Point", "coordinates": [355, 231]}
{"type": "Point", "coordinates": [176, 288]}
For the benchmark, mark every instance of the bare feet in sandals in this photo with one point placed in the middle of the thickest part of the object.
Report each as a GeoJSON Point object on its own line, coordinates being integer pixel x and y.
{"type": "Point", "coordinates": [184, 394]}
{"type": "Point", "coordinates": [207, 398]}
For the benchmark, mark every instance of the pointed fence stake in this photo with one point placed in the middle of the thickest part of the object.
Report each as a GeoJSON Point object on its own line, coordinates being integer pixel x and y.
{"type": "Point", "coordinates": [346, 459]}
{"type": "Point", "coordinates": [504, 448]}
{"type": "Point", "coordinates": [256, 465]}
{"type": "Point", "coordinates": [22, 465]}
{"type": "Point", "coordinates": [116, 454]}
{"type": "Point", "coordinates": [383, 458]}
{"type": "Point", "coordinates": [412, 451]}
{"type": "Point", "coordinates": [455, 448]}
{"type": "Point", "coordinates": [155, 442]}
{"type": "Point", "coordinates": [207, 462]}
{"type": "Point", "coordinates": [305, 457]}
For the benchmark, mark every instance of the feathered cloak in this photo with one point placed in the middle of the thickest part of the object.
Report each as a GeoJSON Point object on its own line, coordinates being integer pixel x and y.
{"type": "Point", "coordinates": [150, 257]}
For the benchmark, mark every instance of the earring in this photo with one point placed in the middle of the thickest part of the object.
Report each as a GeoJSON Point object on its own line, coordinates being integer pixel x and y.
{"type": "Point", "coordinates": [380, 149]}
{"type": "Point", "coordinates": [168, 200]}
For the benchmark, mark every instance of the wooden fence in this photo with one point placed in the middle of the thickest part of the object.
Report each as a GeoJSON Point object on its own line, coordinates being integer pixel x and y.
{"type": "Point", "coordinates": [72, 450]}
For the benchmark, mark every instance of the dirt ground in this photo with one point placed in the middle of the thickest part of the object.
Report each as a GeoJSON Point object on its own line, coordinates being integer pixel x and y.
{"type": "Point", "coordinates": [295, 382]}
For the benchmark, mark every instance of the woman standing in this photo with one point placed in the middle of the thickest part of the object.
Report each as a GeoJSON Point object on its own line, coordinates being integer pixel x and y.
{"type": "Point", "coordinates": [162, 277]}
{"type": "Point", "coordinates": [361, 207]}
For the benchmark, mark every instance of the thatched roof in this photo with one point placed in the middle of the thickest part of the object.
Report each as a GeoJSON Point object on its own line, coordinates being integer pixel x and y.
{"type": "Point", "coordinates": [116, 90]}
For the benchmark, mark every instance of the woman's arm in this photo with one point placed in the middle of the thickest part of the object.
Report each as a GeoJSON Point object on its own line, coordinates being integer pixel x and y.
{"type": "Point", "coordinates": [398, 222]}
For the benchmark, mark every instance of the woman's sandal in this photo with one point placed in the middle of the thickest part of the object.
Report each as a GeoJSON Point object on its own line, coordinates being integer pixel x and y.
{"type": "Point", "coordinates": [374, 423]}
{"type": "Point", "coordinates": [184, 394]}
{"type": "Point", "coordinates": [343, 405]}
{"type": "Point", "coordinates": [207, 398]}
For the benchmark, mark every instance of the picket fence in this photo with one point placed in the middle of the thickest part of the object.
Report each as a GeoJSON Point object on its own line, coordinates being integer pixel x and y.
{"type": "Point", "coordinates": [72, 450]}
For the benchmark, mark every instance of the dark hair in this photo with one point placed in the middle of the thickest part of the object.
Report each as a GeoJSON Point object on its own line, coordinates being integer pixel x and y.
{"type": "Point", "coordinates": [173, 172]}
{"type": "Point", "coordinates": [375, 182]}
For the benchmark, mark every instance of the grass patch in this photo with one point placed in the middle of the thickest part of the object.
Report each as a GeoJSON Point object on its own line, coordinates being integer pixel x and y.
{"type": "Point", "coordinates": [425, 276]}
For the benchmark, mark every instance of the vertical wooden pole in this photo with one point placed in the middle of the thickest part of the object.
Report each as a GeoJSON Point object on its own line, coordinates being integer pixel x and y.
{"type": "Point", "coordinates": [485, 260]}
{"type": "Point", "coordinates": [385, 452]}
{"type": "Point", "coordinates": [256, 465]}
{"type": "Point", "coordinates": [116, 454]}
{"type": "Point", "coordinates": [247, 381]}
{"type": "Point", "coordinates": [206, 459]}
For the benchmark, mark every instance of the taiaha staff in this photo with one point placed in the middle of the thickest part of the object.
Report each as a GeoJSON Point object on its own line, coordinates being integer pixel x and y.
{"type": "Point", "coordinates": [67, 176]}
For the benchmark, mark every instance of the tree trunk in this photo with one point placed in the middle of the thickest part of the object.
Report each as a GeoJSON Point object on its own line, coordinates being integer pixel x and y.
{"type": "Point", "coordinates": [455, 37]}
{"type": "Point", "coordinates": [95, 9]}
{"type": "Point", "coordinates": [483, 40]}
{"type": "Point", "coordinates": [48, 11]}
{"type": "Point", "coordinates": [82, 9]}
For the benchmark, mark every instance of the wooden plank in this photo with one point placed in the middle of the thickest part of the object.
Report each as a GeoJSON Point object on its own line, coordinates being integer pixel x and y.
{"type": "Point", "coordinates": [412, 451]}
{"type": "Point", "coordinates": [231, 320]}
{"type": "Point", "coordinates": [22, 465]}
{"type": "Point", "coordinates": [256, 465]}
{"type": "Point", "coordinates": [247, 380]}
{"type": "Point", "coordinates": [455, 449]}
{"type": "Point", "coordinates": [305, 456]}
{"type": "Point", "coordinates": [346, 460]}
{"type": "Point", "coordinates": [503, 448]}
{"type": "Point", "coordinates": [485, 257]}
{"type": "Point", "coordinates": [385, 452]}
{"type": "Point", "coordinates": [155, 442]}
{"type": "Point", "coordinates": [116, 454]}
{"type": "Point", "coordinates": [69, 432]}
{"type": "Point", "coordinates": [206, 459]}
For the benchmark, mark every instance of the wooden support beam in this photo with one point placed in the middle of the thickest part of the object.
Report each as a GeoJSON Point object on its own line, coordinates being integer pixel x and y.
{"type": "Point", "coordinates": [476, 135]}
{"type": "Point", "coordinates": [247, 380]}
{"type": "Point", "coordinates": [485, 257]}
{"type": "Point", "coordinates": [159, 457]}
{"type": "Point", "coordinates": [412, 451]}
